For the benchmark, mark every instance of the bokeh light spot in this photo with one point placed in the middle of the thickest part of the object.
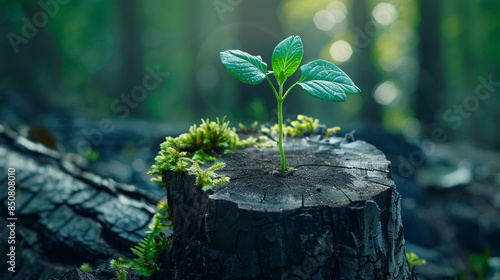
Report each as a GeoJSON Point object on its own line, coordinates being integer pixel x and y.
{"type": "Point", "coordinates": [384, 13]}
{"type": "Point", "coordinates": [324, 20]}
{"type": "Point", "coordinates": [338, 10]}
{"type": "Point", "coordinates": [386, 93]}
{"type": "Point", "coordinates": [340, 51]}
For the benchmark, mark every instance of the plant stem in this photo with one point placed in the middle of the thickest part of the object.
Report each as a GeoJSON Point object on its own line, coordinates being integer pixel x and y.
{"type": "Point", "coordinates": [280, 129]}
{"type": "Point", "coordinates": [272, 86]}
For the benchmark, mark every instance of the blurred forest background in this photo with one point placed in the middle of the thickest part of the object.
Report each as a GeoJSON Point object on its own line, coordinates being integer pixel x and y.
{"type": "Point", "coordinates": [427, 69]}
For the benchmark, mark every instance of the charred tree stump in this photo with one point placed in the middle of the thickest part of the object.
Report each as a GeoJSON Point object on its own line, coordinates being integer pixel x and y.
{"type": "Point", "coordinates": [335, 216]}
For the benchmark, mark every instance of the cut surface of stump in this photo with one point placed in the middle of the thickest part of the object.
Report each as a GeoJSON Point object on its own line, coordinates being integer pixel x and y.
{"type": "Point", "coordinates": [335, 215]}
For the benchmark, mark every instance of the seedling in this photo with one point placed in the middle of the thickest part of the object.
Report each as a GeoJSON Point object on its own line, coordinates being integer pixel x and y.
{"type": "Point", "coordinates": [320, 78]}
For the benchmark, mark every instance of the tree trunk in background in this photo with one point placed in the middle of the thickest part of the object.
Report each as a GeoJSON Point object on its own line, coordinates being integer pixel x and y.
{"type": "Point", "coordinates": [429, 96]}
{"type": "Point", "coordinates": [206, 102]}
{"type": "Point", "coordinates": [365, 69]}
{"type": "Point", "coordinates": [36, 60]}
{"type": "Point", "coordinates": [469, 56]}
{"type": "Point", "coordinates": [132, 70]}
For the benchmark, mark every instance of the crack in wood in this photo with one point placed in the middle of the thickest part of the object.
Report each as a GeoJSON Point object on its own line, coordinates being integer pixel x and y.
{"type": "Point", "coordinates": [346, 196]}
{"type": "Point", "coordinates": [339, 166]}
{"type": "Point", "coordinates": [385, 185]}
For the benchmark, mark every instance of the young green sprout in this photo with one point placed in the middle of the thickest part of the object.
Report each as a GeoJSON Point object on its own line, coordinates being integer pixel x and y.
{"type": "Point", "coordinates": [320, 78]}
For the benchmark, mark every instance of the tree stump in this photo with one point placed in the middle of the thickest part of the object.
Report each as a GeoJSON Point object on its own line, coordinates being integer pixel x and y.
{"type": "Point", "coordinates": [335, 216]}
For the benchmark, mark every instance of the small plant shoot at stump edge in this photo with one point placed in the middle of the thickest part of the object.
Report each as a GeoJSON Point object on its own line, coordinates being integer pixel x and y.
{"type": "Point", "coordinates": [320, 78]}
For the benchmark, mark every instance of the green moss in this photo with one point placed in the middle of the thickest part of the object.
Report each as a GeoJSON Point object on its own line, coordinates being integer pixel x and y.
{"type": "Point", "coordinates": [85, 267]}
{"type": "Point", "coordinates": [207, 178]}
{"type": "Point", "coordinates": [252, 128]}
{"type": "Point", "coordinates": [303, 125]}
{"type": "Point", "coordinates": [297, 128]}
{"type": "Point", "coordinates": [413, 259]}
{"type": "Point", "coordinates": [202, 143]}
{"type": "Point", "coordinates": [209, 137]}
{"type": "Point", "coordinates": [189, 151]}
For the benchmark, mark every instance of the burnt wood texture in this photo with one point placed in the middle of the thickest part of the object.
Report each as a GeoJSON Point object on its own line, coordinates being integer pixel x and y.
{"type": "Point", "coordinates": [335, 215]}
{"type": "Point", "coordinates": [66, 215]}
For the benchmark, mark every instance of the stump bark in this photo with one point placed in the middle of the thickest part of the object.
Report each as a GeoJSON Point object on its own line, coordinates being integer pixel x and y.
{"type": "Point", "coordinates": [335, 216]}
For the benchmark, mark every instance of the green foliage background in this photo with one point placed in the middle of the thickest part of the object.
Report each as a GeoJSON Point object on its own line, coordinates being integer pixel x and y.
{"type": "Point", "coordinates": [412, 70]}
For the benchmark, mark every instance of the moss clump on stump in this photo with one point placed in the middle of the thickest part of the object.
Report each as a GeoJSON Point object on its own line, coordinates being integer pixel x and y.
{"type": "Point", "coordinates": [189, 151]}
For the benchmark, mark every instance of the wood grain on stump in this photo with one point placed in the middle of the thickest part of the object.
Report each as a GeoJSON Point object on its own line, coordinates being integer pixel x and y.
{"type": "Point", "coordinates": [335, 216]}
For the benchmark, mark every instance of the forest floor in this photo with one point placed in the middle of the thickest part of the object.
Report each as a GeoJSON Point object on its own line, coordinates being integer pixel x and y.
{"type": "Point", "coordinates": [450, 193]}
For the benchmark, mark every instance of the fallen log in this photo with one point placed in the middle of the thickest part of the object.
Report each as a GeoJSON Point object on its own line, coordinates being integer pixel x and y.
{"type": "Point", "coordinates": [64, 214]}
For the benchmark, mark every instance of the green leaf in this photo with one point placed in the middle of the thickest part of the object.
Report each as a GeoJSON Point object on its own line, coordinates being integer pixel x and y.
{"type": "Point", "coordinates": [244, 67]}
{"type": "Point", "coordinates": [287, 57]}
{"type": "Point", "coordinates": [324, 80]}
